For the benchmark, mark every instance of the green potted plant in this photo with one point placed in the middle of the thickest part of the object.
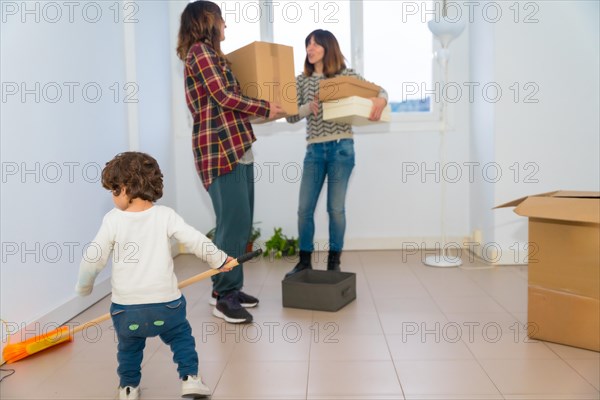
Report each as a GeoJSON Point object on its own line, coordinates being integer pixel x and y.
{"type": "Point", "coordinates": [279, 245]}
{"type": "Point", "coordinates": [254, 235]}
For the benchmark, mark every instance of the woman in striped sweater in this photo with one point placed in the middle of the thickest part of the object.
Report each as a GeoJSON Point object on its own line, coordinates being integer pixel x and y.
{"type": "Point", "coordinates": [330, 148]}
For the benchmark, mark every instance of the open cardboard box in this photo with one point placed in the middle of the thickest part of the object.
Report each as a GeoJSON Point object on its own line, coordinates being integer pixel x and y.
{"type": "Point", "coordinates": [564, 266]}
{"type": "Point", "coordinates": [266, 71]}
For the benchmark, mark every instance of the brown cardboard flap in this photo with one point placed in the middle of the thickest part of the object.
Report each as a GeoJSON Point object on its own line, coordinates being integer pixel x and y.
{"type": "Point", "coordinates": [561, 208]}
{"type": "Point", "coordinates": [577, 194]}
{"type": "Point", "coordinates": [516, 202]}
{"type": "Point", "coordinates": [346, 86]}
{"type": "Point", "coordinates": [562, 205]}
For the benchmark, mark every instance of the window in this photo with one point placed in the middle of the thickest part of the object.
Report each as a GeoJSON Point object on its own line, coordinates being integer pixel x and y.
{"type": "Point", "coordinates": [294, 20]}
{"type": "Point", "coordinates": [400, 56]}
{"type": "Point", "coordinates": [243, 23]}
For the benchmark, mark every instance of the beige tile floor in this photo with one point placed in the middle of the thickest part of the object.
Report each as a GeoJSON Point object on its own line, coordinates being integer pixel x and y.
{"type": "Point", "coordinates": [414, 332]}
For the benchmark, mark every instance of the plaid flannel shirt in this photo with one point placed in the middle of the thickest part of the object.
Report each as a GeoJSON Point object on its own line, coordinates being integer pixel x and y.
{"type": "Point", "coordinates": [222, 130]}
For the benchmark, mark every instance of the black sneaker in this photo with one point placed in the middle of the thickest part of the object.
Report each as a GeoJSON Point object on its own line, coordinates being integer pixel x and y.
{"type": "Point", "coordinates": [229, 308]}
{"type": "Point", "coordinates": [246, 300]}
{"type": "Point", "coordinates": [213, 298]}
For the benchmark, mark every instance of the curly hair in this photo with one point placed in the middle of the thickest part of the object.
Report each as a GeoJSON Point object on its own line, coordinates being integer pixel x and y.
{"type": "Point", "coordinates": [200, 22]}
{"type": "Point", "coordinates": [138, 173]}
{"type": "Point", "coordinates": [333, 60]}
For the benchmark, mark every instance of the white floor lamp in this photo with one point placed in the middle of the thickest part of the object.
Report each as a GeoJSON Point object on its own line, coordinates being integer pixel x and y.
{"type": "Point", "coordinates": [445, 31]}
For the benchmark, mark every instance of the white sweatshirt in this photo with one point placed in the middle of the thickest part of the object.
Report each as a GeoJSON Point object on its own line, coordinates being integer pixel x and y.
{"type": "Point", "coordinates": [139, 243]}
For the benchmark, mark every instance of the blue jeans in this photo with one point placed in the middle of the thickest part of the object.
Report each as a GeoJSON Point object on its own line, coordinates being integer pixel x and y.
{"type": "Point", "coordinates": [134, 323]}
{"type": "Point", "coordinates": [334, 160]}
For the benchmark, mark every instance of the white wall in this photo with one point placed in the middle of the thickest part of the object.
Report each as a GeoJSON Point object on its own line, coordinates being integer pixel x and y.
{"type": "Point", "coordinates": [51, 213]}
{"type": "Point", "coordinates": [53, 146]}
{"type": "Point", "coordinates": [552, 143]}
{"type": "Point", "coordinates": [153, 70]}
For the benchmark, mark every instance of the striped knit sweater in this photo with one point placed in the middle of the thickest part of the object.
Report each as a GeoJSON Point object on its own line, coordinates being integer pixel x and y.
{"type": "Point", "coordinates": [318, 130]}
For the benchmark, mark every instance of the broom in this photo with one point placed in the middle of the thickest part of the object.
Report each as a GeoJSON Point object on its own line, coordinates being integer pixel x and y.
{"type": "Point", "coordinates": [16, 351]}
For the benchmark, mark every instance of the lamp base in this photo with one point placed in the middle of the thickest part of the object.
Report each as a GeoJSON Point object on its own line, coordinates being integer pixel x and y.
{"type": "Point", "coordinates": [442, 261]}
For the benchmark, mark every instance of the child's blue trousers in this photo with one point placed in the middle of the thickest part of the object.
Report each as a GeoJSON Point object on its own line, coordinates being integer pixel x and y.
{"type": "Point", "coordinates": [134, 323]}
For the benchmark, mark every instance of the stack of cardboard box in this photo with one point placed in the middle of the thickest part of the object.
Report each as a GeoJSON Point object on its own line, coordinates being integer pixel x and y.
{"type": "Point", "coordinates": [346, 99]}
{"type": "Point", "coordinates": [564, 266]}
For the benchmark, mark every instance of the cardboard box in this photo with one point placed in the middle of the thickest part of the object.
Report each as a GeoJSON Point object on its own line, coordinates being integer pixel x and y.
{"type": "Point", "coordinates": [319, 290]}
{"type": "Point", "coordinates": [346, 86]}
{"type": "Point", "coordinates": [561, 317]}
{"type": "Point", "coordinates": [353, 110]}
{"type": "Point", "coordinates": [266, 71]}
{"type": "Point", "coordinates": [564, 266]}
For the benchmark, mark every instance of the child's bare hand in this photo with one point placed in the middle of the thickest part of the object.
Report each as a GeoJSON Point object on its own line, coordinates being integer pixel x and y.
{"type": "Point", "coordinates": [226, 268]}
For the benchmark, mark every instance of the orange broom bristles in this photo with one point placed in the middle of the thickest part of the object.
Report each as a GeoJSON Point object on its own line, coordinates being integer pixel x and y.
{"type": "Point", "coordinates": [16, 351]}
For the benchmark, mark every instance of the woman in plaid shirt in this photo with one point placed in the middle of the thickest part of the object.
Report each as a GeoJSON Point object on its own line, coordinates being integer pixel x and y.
{"type": "Point", "coordinates": [221, 141]}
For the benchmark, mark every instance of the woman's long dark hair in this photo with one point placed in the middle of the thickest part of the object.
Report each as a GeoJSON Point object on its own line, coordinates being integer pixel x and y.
{"type": "Point", "coordinates": [333, 59]}
{"type": "Point", "coordinates": [200, 22]}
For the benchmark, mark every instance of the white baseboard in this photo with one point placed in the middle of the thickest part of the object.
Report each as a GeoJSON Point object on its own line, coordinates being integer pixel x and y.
{"type": "Point", "coordinates": [489, 254]}
{"type": "Point", "coordinates": [55, 318]}
{"type": "Point", "coordinates": [387, 243]}
{"type": "Point", "coordinates": [403, 243]}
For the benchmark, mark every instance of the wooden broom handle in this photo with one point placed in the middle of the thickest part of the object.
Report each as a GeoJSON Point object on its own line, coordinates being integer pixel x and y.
{"type": "Point", "coordinates": [95, 321]}
{"type": "Point", "coordinates": [233, 263]}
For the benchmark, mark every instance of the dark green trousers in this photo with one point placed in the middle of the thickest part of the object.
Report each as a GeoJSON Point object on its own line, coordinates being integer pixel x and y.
{"type": "Point", "coordinates": [232, 197]}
